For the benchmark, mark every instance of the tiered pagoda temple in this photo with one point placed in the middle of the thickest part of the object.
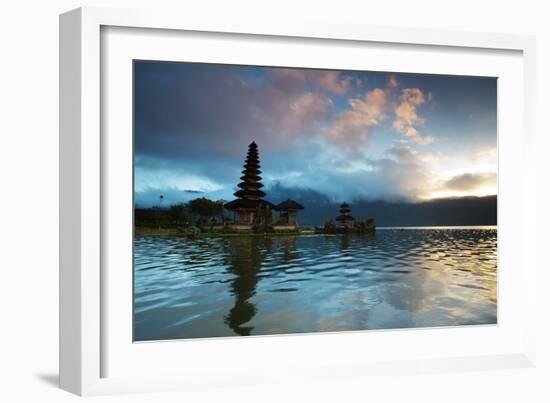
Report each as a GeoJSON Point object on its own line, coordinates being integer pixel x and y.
{"type": "Point", "coordinates": [345, 219]}
{"type": "Point", "coordinates": [250, 208]}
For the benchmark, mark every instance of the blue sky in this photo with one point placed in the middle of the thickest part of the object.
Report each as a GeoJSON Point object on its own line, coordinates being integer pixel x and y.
{"type": "Point", "coordinates": [347, 134]}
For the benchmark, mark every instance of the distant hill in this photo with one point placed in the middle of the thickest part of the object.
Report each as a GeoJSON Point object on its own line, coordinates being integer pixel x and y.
{"type": "Point", "coordinates": [437, 212]}
{"type": "Point", "coordinates": [453, 211]}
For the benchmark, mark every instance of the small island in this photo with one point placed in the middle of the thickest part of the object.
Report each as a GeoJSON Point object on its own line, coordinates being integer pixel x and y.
{"type": "Point", "coordinates": [249, 214]}
{"type": "Point", "coordinates": [347, 224]}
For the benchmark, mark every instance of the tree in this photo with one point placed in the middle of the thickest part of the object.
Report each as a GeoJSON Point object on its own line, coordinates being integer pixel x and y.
{"type": "Point", "coordinates": [363, 225]}
{"type": "Point", "coordinates": [205, 208]}
{"type": "Point", "coordinates": [330, 225]}
{"type": "Point", "coordinates": [178, 213]}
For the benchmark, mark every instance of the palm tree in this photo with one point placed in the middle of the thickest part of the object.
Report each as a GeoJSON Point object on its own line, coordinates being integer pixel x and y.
{"type": "Point", "coordinates": [161, 198]}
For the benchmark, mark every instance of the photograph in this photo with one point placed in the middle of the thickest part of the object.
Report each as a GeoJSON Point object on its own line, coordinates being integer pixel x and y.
{"type": "Point", "coordinates": [276, 200]}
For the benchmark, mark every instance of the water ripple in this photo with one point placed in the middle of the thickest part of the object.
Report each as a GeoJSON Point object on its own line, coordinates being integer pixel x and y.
{"type": "Point", "coordinates": [239, 286]}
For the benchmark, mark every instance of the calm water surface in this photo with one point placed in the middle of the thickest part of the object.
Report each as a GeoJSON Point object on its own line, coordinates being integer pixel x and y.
{"type": "Point", "coordinates": [253, 286]}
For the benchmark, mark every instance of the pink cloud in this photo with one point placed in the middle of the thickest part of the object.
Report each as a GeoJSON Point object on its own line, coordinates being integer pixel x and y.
{"type": "Point", "coordinates": [407, 117]}
{"type": "Point", "coordinates": [293, 79]}
{"type": "Point", "coordinates": [330, 81]}
{"type": "Point", "coordinates": [304, 110]}
{"type": "Point", "coordinates": [288, 80]}
{"type": "Point", "coordinates": [392, 81]}
{"type": "Point", "coordinates": [351, 127]}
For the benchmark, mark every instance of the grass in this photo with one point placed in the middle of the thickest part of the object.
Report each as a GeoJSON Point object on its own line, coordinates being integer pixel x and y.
{"type": "Point", "coordinates": [140, 231]}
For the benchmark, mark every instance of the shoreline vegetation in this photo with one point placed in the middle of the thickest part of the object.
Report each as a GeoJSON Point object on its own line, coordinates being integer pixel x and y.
{"type": "Point", "coordinates": [204, 218]}
{"type": "Point", "coordinates": [155, 231]}
{"type": "Point", "coordinates": [177, 232]}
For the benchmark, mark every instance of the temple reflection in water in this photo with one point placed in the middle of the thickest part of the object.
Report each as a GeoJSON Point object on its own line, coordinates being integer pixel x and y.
{"type": "Point", "coordinates": [245, 256]}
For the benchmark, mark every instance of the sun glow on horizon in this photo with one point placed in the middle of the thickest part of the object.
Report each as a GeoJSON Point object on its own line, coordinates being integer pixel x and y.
{"type": "Point", "coordinates": [445, 194]}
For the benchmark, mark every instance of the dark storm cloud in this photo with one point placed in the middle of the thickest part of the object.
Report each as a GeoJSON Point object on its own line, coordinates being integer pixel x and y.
{"type": "Point", "coordinates": [187, 111]}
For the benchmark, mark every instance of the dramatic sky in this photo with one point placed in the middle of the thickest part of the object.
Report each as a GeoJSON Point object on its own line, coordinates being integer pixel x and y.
{"type": "Point", "coordinates": [347, 134]}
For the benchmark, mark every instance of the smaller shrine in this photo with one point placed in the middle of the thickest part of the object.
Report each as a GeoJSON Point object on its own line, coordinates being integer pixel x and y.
{"type": "Point", "coordinates": [288, 212]}
{"type": "Point", "coordinates": [345, 219]}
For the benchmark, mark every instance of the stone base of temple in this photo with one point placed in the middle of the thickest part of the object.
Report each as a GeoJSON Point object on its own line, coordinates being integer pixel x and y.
{"type": "Point", "coordinates": [250, 227]}
{"type": "Point", "coordinates": [285, 227]}
{"type": "Point", "coordinates": [345, 230]}
{"type": "Point", "coordinates": [239, 227]}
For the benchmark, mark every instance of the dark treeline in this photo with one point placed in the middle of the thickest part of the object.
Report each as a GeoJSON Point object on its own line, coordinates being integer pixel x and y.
{"type": "Point", "coordinates": [197, 212]}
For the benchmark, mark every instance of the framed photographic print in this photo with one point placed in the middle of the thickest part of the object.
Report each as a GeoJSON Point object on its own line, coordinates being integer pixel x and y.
{"type": "Point", "coordinates": [311, 200]}
{"type": "Point", "coordinates": [237, 199]}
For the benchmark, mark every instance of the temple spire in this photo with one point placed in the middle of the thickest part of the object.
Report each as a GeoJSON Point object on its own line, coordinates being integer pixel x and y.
{"type": "Point", "coordinates": [250, 185]}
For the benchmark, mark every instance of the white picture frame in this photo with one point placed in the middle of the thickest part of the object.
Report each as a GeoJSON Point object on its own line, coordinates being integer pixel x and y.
{"type": "Point", "coordinates": [85, 343]}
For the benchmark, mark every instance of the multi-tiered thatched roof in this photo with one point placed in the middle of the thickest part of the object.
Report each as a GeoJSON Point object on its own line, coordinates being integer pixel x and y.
{"type": "Point", "coordinates": [249, 195]}
{"type": "Point", "coordinates": [345, 216]}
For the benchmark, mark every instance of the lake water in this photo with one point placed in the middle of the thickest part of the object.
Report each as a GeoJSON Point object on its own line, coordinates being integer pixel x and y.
{"type": "Point", "coordinates": [316, 283]}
